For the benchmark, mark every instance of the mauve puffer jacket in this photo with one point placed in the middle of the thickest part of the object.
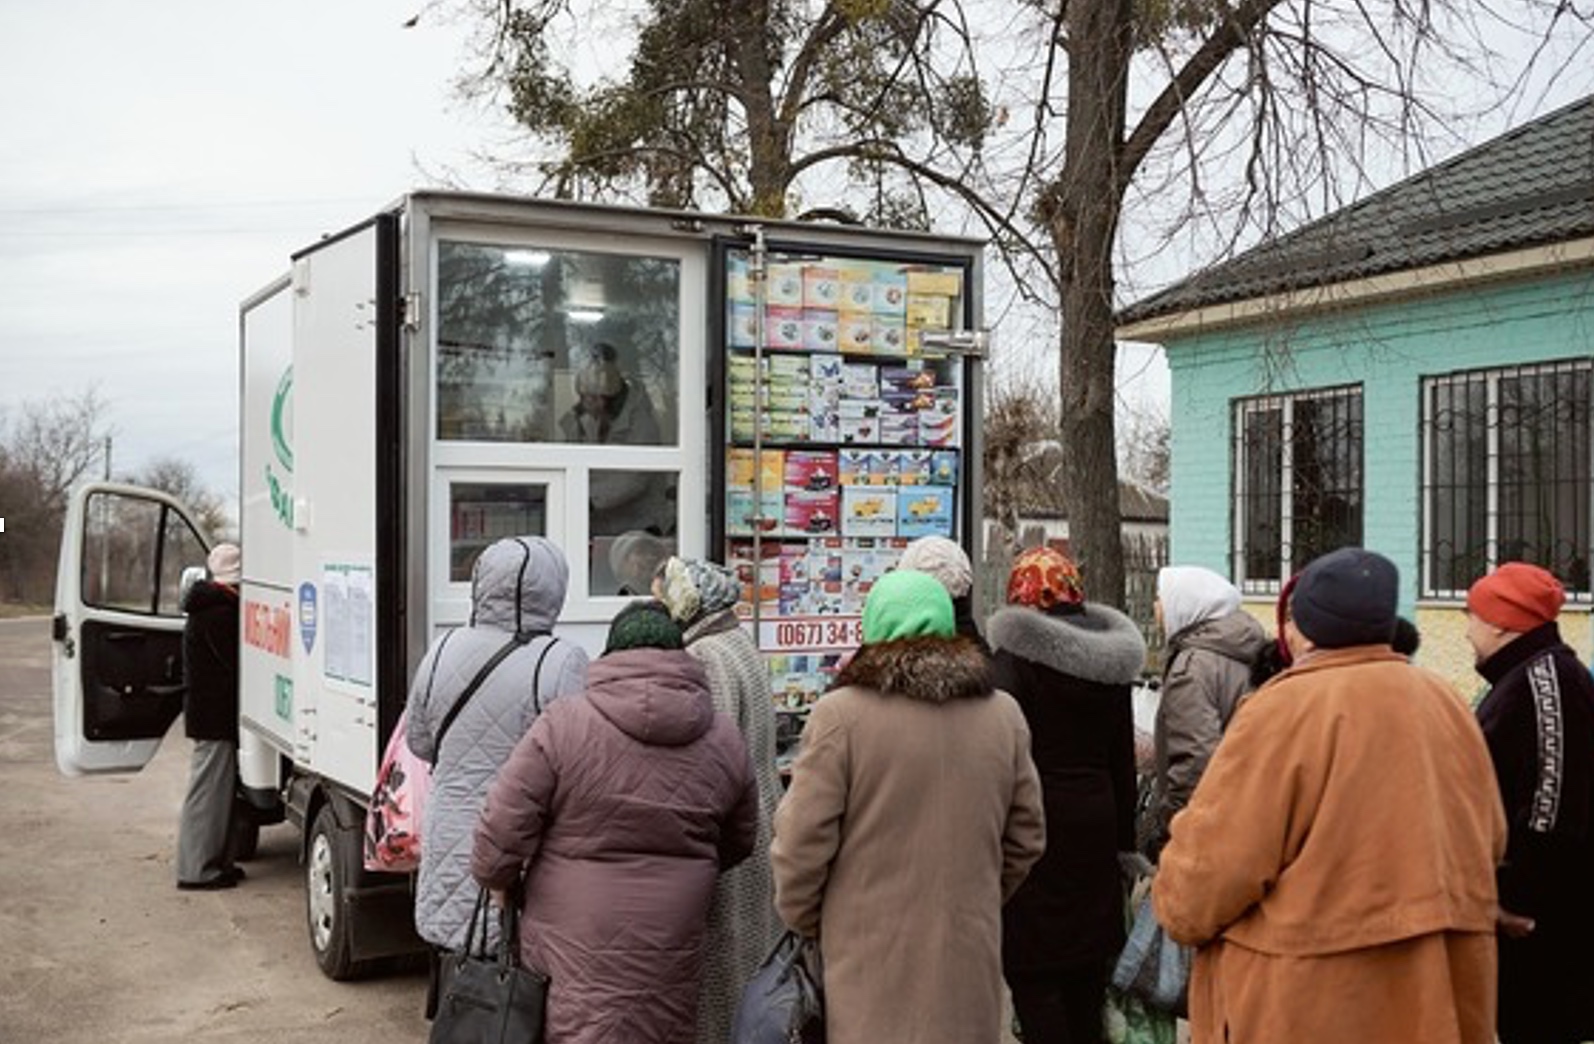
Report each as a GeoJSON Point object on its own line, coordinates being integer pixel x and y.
{"type": "Point", "coordinates": [622, 806]}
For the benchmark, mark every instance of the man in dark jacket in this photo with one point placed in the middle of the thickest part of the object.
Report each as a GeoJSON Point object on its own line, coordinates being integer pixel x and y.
{"type": "Point", "coordinates": [1538, 718]}
{"type": "Point", "coordinates": [210, 716]}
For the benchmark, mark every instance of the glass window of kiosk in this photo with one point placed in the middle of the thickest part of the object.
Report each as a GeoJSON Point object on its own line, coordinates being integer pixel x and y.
{"type": "Point", "coordinates": [557, 346]}
{"type": "Point", "coordinates": [480, 513]}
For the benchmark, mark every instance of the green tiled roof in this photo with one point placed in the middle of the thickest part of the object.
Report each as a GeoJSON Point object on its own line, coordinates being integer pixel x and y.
{"type": "Point", "coordinates": [1531, 186]}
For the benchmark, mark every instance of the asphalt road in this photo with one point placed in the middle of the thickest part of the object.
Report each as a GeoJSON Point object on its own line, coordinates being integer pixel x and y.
{"type": "Point", "coordinates": [100, 946]}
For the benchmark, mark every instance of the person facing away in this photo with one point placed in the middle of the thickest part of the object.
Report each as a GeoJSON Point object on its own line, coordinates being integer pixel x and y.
{"type": "Point", "coordinates": [1538, 719]}
{"type": "Point", "coordinates": [210, 719]}
{"type": "Point", "coordinates": [914, 813]}
{"type": "Point", "coordinates": [1206, 668]}
{"type": "Point", "coordinates": [1335, 865]}
{"type": "Point", "coordinates": [617, 812]}
{"type": "Point", "coordinates": [1070, 664]}
{"type": "Point", "coordinates": [946, 560]}
{"type": "Point", "coordinates": [742, 926]}
{"type": "Point", "coordinates": [517, 589]}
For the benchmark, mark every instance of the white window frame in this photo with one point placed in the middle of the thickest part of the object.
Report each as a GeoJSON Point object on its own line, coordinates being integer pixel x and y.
{"type": "Point", "coordinates": [687, 458]}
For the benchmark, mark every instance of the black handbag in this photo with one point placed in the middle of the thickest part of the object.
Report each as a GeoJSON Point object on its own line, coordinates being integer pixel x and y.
{"type": "Point", "coordinates": [783, 1003]}
{"type": "Point", "coordinates": [489, 998]}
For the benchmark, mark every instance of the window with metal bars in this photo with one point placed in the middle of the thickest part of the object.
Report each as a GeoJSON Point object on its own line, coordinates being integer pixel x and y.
{"type": "Point", "coordinates": [1297, 482]}
{"type": "Point", "coordinates": [1506, 474]}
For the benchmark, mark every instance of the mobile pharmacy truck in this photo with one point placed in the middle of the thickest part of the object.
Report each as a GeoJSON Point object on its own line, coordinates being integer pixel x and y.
{"type": "Point", "coordinates": [797, 400]}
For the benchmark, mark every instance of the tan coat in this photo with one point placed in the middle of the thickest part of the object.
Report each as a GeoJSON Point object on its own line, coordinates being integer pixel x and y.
{"type": "Point", "coordinates": [1336, 863]}
{"type": "Point", "coordinates": [914, 812]}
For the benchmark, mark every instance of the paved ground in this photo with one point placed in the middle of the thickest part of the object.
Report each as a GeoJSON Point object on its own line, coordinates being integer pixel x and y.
{"type": "Point", "coordinates": [99, 945]}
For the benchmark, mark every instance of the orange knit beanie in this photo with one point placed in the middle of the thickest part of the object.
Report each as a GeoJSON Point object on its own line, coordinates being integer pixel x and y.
{"type": "Point", "coordinates": [1516, 597]}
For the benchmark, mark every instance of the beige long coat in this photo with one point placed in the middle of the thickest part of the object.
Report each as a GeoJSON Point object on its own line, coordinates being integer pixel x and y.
{"type": "Point", "coordinates": [914, 813]}
{"type": "Point", "coordinates": [1336, 863]}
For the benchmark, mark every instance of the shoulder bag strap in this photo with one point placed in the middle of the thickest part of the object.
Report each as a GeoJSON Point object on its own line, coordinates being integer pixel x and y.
{"type": "Point", "coordinates": [515, 642]}
{"type": "Point", "coordinates": [536, 675]}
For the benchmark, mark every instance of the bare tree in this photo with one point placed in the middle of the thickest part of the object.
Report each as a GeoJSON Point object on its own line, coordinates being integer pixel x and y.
{"type": "Point", "coordinates": [1144, 453]}
{"type": "Point", "coordinates": [51, 446]}
{"type": "Point", "coordinates": [180, 479]}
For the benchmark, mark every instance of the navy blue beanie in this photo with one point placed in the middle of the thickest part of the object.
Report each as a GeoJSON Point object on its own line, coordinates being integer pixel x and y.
{"type": "Point", "coordinates": [1347, 597]}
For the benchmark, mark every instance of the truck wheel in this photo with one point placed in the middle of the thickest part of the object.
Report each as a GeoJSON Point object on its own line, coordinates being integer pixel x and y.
{"type": "Point", "coordinates": [327, 875]}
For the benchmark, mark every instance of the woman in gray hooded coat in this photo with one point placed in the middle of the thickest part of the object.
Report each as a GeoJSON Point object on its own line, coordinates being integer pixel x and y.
{"type": "Point", "coordinates": [517, 589]}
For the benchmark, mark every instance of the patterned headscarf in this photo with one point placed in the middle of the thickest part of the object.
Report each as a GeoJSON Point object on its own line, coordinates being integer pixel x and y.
{"type": "Point", "coordinates": [1045, 579]}
{"type": "Point", "coordinates": [692, 589]}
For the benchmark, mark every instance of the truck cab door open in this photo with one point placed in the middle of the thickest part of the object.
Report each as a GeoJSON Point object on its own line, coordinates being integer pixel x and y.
{"type": "Point", "coordinates": [117, 653]}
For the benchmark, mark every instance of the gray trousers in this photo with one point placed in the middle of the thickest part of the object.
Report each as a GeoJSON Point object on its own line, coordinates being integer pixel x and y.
{"type": "Point", "coordinates": [202, 833]}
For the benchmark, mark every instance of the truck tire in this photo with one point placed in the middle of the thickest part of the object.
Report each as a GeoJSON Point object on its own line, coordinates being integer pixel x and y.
{"type": "Point", "coordinates": [327, 875]}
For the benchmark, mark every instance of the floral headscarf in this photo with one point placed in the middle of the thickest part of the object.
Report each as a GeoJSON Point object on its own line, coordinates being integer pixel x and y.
{"type": "Point", "coordinates": [1045, 579]}
{"type": "Point", "coordinates": [692, 589]}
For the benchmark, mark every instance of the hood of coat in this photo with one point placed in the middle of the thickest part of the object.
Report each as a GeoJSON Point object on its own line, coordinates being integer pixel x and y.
{"type": "Point", "coordinates": [656, 696]}
{"type": "Point", "coordinates": [1190, 594]}
{"type": "Point", "coordinates": [207, 594]}
{"type": "Point", "coordinates": [1100, 644]}
{"type": "Point", "coordinates": [931, 669]}
{"type": "Point", "coordinates": [1238, 636]}
{"type": "Point", "coordinates": [519, 585]}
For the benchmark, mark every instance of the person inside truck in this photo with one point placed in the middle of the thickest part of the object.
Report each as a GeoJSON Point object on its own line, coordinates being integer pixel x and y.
{"type": "Point", "coordinates": [210, 718]}
{"type": "Point", "coordinates": [609, 408]}
{"type": "Point", "coordinates": [476, 692]}
{"type": "Point", "coordinates": [615, 410]}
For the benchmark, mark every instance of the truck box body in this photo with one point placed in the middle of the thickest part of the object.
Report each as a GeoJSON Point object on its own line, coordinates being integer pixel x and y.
{"type": "Point", "coordinates": [797, 400]}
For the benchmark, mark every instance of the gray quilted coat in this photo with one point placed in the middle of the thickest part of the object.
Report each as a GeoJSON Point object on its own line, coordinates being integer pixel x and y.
{"type": "Point", "coordinates": [518, 585]}
{"type": "Point", "coordinates": [742, 923]}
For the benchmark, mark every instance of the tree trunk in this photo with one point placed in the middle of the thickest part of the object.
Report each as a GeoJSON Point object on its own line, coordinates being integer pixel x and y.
{"type": "Point", "coordinates": [1082, 210]}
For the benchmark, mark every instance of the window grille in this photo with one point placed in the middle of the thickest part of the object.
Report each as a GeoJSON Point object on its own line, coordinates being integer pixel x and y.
{"type": "Point", "coordinates": [1297, 482]}
{"type": "Point", "coordinates": [1506, 474]}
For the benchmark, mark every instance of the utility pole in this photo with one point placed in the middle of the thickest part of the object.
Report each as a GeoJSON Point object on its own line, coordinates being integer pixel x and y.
{"type": "Point", "coordinates": [107, 458]}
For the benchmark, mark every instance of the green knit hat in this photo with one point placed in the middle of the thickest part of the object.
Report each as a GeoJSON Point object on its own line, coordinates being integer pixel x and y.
{"type": "Point", "coordinates": [906, 603]}
{"type": "Point", "coordinates": [644, 624]}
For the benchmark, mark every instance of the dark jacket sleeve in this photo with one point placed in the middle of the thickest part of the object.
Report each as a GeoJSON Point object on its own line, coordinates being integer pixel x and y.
{"type": "Point", "coordinates": [1121, 765]}
{"type": "Point", "coordinates": [741, 827]}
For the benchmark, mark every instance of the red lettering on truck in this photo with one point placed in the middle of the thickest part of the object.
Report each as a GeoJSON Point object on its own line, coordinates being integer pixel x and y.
{"type": "Point", "coordinates": [267, 627]}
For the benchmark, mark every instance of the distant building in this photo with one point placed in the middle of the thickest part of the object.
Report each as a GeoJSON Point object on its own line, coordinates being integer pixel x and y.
{"type": "Point", "coordinates": [1412, 373]}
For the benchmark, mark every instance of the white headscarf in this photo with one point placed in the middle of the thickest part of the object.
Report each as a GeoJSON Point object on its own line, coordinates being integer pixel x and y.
{"type": "Point", "coordinates": [1191, 594]}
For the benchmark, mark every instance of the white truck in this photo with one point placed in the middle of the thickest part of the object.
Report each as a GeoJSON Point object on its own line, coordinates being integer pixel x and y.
{"type": "Point", "coordinates": [796, 399]}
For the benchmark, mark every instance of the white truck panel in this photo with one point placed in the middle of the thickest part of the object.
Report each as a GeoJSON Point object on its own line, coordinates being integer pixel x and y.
{"type": "Point", "coordinates": [334, 541]}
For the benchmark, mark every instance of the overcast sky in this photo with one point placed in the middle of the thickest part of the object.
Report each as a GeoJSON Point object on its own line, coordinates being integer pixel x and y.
{"type": "Point", "coordinates": [159, 162]}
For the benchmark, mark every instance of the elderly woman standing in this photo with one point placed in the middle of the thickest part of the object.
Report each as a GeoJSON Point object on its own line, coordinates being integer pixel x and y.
{"type": "Point", "coordinates": [1070, 664]}
{"type": "Point", "coordinates": [618, 811]}
{"type": "Point", "coordinates": [1213, 645]}
{"type": "Point", "coordinates": [742, 926]}
{"type": "Point", "coordinates": [517, 589]}
{"type": "Point", "coordinates": [914, 812]}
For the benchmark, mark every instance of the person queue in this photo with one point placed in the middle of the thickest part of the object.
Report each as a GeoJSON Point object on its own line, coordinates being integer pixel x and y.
{"type": "Point", "coordinates": [1351, 851]}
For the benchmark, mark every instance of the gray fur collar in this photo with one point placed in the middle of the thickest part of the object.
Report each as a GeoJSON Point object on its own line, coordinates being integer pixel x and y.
{"type": "Point", "coordinates": [1100, 645]}
{"type": "Point", "coordinates": [934, 670]}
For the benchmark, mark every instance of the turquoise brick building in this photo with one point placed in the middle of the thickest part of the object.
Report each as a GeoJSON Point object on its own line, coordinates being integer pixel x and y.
{"type": "Point", "coordinates": [1412, 374]}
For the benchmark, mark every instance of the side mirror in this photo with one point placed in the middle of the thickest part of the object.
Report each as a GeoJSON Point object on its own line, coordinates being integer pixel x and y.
{"type": "Point", "coordinates": [191, 575]}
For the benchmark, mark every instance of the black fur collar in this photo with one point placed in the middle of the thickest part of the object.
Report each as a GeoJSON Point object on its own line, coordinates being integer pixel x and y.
{"type": "Point", "coordinates": [931, 669]}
